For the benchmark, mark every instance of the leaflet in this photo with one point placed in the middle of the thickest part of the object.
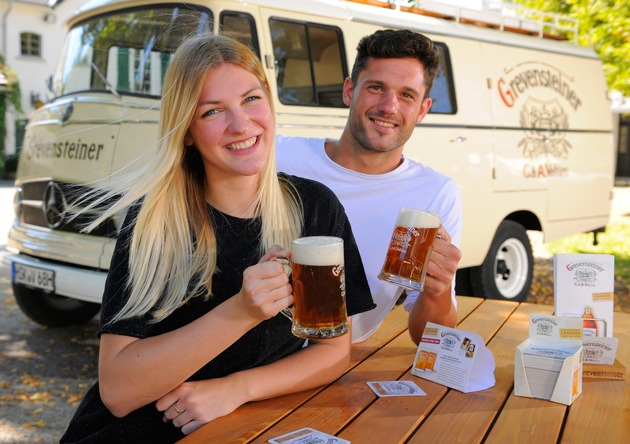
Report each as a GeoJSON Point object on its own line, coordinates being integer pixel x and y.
{"type": "Point", "coordinates": [458, 359]}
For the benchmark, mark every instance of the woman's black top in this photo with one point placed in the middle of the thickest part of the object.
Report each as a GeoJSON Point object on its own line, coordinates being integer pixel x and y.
{"type": "Point", "coordinates": [271, 340]}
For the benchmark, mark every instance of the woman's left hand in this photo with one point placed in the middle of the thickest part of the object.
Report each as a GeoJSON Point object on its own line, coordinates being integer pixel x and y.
{"type": "Point", "coordinates": [274, 252]}
{"type": "Point", "coordinates": [193, 404]}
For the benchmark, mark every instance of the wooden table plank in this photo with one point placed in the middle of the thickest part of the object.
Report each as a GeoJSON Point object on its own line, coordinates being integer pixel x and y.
{"type": "Point", "coordinates": [528, 420]}
{"type": "Point", "coordinates": [347, 397]}
{"type": "Point", "coordinates": [593, 416]}
{"type": "Point", "coordinates": [466, 305]}
{"type": "Point", "coordinates": [394, 324]}
{"type": "Point", "coordinates": [602, 412]}
{"type": "Point", "coordinates": [398, 417]}
{"type": "Point", "coordinates": [465, 417]}
{"type": "Point", "coordinates": [348, 407]}
{"type": "Point", "coordinates": [251, 419]}
{"type": "Point", "coordinates": [521, 419]}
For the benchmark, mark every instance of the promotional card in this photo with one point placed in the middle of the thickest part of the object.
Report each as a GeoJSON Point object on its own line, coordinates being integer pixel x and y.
{"type": "Point", "coordinates": [458, 359]}
{"type": "Point", "coordinates": [584, 286]}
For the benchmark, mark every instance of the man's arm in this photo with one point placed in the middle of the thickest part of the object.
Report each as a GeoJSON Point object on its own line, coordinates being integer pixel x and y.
{"type": "Point", "coordinates": [435, 304]}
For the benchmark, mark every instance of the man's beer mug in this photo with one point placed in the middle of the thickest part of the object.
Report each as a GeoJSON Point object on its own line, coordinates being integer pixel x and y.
{"type": "Point", "coordinates": [319, 287]}
{"type": "Point", "coordinates": [410, 248]}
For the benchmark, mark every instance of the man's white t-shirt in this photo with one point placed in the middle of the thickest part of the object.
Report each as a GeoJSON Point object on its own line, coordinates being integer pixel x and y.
{"type": "Point", "coordinates": [372, 202]}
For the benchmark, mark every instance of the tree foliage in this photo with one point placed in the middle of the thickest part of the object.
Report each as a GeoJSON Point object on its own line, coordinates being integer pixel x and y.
{"type": "Point", "coordinates": [604, 25]}
{"type": "Point", "coordinates": [10, 95]}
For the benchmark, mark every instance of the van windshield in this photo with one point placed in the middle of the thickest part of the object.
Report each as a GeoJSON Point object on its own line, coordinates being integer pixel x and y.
{"type": "Point", "coordinates": [126, 52]}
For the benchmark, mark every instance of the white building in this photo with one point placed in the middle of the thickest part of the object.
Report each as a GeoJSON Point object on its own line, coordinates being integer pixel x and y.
{"type": "Point", "coordinates": [31, 37]}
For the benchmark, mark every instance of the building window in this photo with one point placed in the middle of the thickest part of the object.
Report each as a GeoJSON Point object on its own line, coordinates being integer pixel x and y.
{"type": "Point", "coordinates": [30, 44]}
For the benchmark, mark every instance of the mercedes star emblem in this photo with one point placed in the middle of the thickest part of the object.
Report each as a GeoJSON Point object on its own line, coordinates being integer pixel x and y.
{"type": "Point", "coordinates": [54, 205]}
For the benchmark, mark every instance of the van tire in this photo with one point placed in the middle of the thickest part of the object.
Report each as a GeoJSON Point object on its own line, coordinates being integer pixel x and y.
{"type": "Point", "coordinates": [507, 271]}
{"type": "Point", "coordinates": [53, 310]}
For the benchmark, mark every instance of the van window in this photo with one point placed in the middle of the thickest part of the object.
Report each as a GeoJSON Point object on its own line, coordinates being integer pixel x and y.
{"type": "Point", "coordinates": [310, 68]}
{"type": "Point", "coordinates": [443, 92]}
{"type": "Point", "coordinates": [241, 27]}
{"type": "Point", "coordinates": [126, 51]}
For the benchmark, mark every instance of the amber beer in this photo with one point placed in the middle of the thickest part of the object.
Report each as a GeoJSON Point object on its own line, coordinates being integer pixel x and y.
{"type": "Point", "coordinates": [319, 287]}
{"type": "Point", "coordinates": [410, 248]}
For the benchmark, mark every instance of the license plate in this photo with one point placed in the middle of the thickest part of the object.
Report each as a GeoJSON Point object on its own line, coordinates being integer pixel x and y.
{"type": "Point", "coordinates": [34, 277]}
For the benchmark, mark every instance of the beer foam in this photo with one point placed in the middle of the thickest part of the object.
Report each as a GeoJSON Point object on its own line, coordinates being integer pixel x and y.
{"type": "Point", "coordinates": [408, 217]}
{"type": "Point", "coordinates": [317, 250]}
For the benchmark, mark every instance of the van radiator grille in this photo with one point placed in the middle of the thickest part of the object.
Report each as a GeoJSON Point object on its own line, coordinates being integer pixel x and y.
{"type": "Point", "coordinates": [47, 204]}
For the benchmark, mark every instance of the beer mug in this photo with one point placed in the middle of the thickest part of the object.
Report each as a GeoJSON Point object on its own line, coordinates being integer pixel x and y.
{"type": "Point", "coordinates": [410, 248]}
{"type": "Point", "coordinates": [319, 287]}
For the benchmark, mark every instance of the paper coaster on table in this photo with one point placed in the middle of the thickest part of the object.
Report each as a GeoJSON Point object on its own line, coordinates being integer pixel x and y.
{"type": "Point", "coordinates": [396, 388]}
{"type": "Point", "coordinates": [307, 436]}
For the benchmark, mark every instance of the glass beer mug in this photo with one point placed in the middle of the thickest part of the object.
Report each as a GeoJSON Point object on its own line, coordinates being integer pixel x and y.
{"type": "Point", "coordinates": [410, 248]}
{"type": "Point", "coordinates": [319, 287]}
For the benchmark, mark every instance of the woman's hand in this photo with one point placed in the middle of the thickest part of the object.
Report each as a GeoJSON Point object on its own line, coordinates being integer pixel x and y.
{"type": "Point", "coordinates": [266, 289]}
{"type": "Point", "coordinates": [193, 404]}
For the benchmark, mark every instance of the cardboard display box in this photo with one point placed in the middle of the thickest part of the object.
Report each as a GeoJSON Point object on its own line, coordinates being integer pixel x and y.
{"type": "Point", "coordinates": [548, 365]}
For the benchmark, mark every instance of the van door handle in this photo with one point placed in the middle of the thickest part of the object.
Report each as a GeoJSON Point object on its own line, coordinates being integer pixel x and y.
{"type": "Point", "coordinates": [458, 139]}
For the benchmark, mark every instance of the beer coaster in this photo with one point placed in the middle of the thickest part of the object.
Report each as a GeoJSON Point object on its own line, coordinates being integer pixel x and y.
{"type": "Point", "coordinates": [396, 388]}
{"type": "Point", "coordinates": [307, 436]}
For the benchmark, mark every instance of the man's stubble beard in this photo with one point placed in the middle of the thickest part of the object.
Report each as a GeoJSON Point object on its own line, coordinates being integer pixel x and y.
{"type": "Point", "coordinates": [362, 138]}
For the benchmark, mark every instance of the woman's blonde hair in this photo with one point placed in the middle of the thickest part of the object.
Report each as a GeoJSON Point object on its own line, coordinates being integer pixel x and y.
{"type": "Point", "coordinates": [173, 243]}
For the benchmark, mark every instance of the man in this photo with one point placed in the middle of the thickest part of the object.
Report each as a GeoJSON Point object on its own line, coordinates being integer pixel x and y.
{"type": "Point", "coordinates": [388, 95]}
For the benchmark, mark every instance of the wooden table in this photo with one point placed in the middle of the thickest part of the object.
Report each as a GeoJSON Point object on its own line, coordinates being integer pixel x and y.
{"type": "Point", "coordinates": [349, 409]}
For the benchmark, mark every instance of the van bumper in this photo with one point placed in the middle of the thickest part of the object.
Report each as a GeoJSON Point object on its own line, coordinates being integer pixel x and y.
{"type": "Point", "coordinates": [70, 281]}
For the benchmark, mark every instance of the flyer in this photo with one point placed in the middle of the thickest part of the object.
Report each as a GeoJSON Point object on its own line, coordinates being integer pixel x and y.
{"type": "Point", "coordinates": [458, 359]}
{"type": "Point", "coordinates": [584, 286]}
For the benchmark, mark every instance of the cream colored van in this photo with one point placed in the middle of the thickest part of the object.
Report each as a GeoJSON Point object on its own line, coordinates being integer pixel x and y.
{"type": "Point", "coordinates": [521, 122]}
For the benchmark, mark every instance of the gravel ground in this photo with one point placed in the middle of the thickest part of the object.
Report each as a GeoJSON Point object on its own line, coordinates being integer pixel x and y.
{"type": "Point", "coordinates": [542, 284]}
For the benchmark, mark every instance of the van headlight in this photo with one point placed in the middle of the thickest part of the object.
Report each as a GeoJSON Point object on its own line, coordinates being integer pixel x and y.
{"type": "Point", "coordinates": [17, 203]}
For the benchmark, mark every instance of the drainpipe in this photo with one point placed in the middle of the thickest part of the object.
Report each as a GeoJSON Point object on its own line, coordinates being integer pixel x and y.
{"type": "Point", "coordinates": [4, 29]}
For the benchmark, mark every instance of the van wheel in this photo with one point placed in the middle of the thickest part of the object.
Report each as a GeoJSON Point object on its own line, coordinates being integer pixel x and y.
{"type": "Point", "coordinates": [53, 310]}
{"type": "Point", "coordinates": [507, 271]}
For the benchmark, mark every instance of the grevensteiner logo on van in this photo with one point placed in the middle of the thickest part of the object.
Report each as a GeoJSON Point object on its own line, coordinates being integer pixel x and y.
{"type": "Point", "coordinates": [65, 149]}
{"type": "Point", "coordinates": [542, 116]}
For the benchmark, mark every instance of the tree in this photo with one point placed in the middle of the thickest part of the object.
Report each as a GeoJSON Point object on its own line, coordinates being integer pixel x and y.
{"type": "Point", "coordinates": [9, 95]}
{"type": "Point", "coordinates": [602, 24]}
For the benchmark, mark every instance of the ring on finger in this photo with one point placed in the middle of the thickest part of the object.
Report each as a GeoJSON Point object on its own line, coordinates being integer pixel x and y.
{"type": "Point", "coordinates": [179, 411]}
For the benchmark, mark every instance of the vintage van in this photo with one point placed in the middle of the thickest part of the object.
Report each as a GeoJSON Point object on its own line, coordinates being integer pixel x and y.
{"type": "Point", "coordinates": [520, 120]}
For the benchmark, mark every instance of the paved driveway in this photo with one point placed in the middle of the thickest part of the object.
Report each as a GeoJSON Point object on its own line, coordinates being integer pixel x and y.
{"type": "Point", "coordinates": [43, 372]}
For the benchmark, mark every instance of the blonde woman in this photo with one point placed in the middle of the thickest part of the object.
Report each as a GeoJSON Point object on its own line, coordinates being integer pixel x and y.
{"type": "Point", "coordinates": [190, 323]}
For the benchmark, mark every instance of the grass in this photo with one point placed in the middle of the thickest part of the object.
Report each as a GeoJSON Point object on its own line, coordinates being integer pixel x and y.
{"type": "Point", "coordinates": [615, 241]}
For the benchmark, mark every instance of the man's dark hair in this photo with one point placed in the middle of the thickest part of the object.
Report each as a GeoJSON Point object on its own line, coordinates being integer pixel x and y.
{"type": "Point", "coordinates": [397, 44]}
